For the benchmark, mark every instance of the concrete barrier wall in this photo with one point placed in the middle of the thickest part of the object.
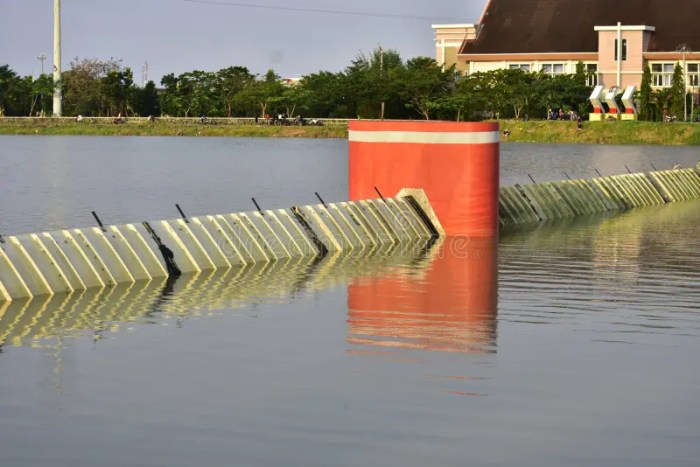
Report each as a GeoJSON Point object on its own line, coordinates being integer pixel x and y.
{"type": "Point", "coordinates": [540, 202]}
{"type": "Point", "coordinates": [72, 261]}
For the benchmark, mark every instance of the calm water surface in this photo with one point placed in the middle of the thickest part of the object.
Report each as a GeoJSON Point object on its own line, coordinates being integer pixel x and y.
{"type": "Point", "coordinates": [571, 344]}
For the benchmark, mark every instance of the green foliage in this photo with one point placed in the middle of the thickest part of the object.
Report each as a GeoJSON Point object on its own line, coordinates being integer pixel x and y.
{"type": "Point", "coordinates": [423, 83]}
{"type": "Point", "coordinates": [646, 95]}
{"type": "Point", "coordinates": [677, 92]}
{"type": "Point", "coordinates": [378, 84]}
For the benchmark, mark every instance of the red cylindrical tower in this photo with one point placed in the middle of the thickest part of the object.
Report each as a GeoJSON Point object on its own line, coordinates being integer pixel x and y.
{"type": "Point", "coordinates": [457, 164]}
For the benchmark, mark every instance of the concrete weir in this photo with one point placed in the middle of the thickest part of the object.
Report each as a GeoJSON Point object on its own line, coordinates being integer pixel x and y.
{"type": "Point", "coordinates": [530, 204]}
{"type": "Point", "coordinates": [72, 260]}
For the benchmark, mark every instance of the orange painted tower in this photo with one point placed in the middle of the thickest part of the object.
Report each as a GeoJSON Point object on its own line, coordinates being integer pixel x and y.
{"type": "Point", "coordinates": [457, 164]}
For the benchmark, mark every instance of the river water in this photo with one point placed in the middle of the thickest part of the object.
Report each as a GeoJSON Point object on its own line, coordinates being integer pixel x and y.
{"type": "Point", "coordinates": [573, 344]}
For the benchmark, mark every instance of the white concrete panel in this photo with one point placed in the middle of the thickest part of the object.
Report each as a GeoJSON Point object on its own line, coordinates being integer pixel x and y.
{"type": "Point", "coordinates": [88, 268]}
{"type": "Point", "coordinates": [272, 233]}
{"type": "Point", "coordinates": [364, 227]}
{"type": "Point", "coordinates": [185, 260]}
{"type": "Point", "coordinates": [377, 221]}
{"type": "Point", "coordinates": [128, 255]}
{"type": "Point", "coordinates": [64, 263]}
{"type": "Point", "coordinates": [236, 245]}
{"type": "Point", "coordinates": [12, 280]}
{"type": "Point", "coordinates": [325, 232]}
{"type": "Point", "coordinates": [104, 249]}
{"type": "Point", "coordinates": [28, 270]}
{"type": "Point", "coordinates": [249, 237]}
{"type": "Point", "coordinates": [285, 233]}
{"type": "Point", "coordinates": [229, 247]}
{"type": "Point", "coordinates": [347, 225]}
{"type": "Point", "coordinates": [209, 241]}
{"type": "Point", "coordinates": [145, 247]}
{"type": "Point", "coordinates": [261, 236]}
{"type": "Point", "coordinates": [303, 242]}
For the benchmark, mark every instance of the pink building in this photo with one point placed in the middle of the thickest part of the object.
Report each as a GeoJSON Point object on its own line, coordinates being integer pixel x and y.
{"type": "Point", "coordinates": [615, 39]}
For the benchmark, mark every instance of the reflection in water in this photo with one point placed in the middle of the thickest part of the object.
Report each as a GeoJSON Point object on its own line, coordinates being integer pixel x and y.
{"type": "Point", "coordinates": [39, 321]}
{"type": "Point", "coordinates": [448, 305]}
{"type": "Point", "coordinates": [619, 276]}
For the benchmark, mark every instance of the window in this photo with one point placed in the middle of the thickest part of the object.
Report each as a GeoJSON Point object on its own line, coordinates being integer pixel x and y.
{"type": "Point", "coordinates": [592, 74]}
{"type": "Point", "coordinates": [553, 68]}
{"type": "Point", "coordinates": [519, 66]}
{"type": "Point", "coordinates": [694, 74]}
{"type": "Point", "coordinates": [624, 49]}
{"type": "Point", "coordinates": [662, 74]}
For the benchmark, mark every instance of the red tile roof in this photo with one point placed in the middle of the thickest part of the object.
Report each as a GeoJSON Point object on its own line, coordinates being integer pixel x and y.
{"type": "Point", "coordinates": [540, 26]}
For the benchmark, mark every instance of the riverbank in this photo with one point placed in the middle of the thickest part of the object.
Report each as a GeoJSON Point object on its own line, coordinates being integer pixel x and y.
{"type": "Point", "coordinates": [624, 133]}
{"type": "Point", "coordinates": [172, 127]}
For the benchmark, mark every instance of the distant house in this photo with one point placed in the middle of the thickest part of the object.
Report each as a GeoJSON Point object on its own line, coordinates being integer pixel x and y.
{"type": "Point", "coordinates": [615, 39]}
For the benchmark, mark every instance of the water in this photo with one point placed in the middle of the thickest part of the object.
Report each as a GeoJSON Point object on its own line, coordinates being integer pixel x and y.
{"type": "Point", "coordinates": [571, 344]}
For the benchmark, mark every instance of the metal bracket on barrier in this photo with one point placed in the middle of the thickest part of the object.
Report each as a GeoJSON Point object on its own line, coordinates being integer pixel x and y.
{"type": "Point", "coordinates": [99, 222]}
{"type": "Point", "coordinates": [184, 217]}
{"type": "Point", "coordinates": [257, 205]}
{"type": "Point", "coordinates": [320, 199]}
{"type": "Point", "coordinates": [168, 255]}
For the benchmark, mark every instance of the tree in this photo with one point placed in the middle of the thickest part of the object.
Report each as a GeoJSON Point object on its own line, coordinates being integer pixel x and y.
{"type": "Point", "coordinates": [677, 93]}
{"type": "Point", "coordinates": [646, 93]}
{"type": "Point", "coordinates": [424, 82]}
{"type": "Point", "coordinates": [146, 100]}
{"type": "Point", "coordinates": [373, 83]}
{"type": "Point", "coordinates": [327, 96]}
{"type": "Point", "coordinates": [10, 92]}
{"type": "Point", "coordinates": [231, 81]}
{"type": "Point", "coordinates": [261, 94]}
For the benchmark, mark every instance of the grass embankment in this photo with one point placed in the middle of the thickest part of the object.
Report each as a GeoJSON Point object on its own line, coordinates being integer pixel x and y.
{"type": "Point", "coordinates": [632, 133]}
{"type": "Point", "coordinates": [538, 131]}
{"type": "Point", "coordinates": [166, 128]}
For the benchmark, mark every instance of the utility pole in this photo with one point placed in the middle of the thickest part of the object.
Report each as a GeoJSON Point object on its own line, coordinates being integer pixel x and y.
{"type": "Point", "coordinates": [57, 97]}
{"type": "Point", "coordinates": [41, 58]}
{"type": "Point", "coordinates": [684, 49]}
{"type": "Point", "coordinates": [144, 74]}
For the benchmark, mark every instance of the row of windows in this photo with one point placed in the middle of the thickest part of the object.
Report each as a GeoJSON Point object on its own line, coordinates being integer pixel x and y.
{"type": "Point", "coordinates": [662, 74]}
{"type": "Point", "coordinates": [558, 69]}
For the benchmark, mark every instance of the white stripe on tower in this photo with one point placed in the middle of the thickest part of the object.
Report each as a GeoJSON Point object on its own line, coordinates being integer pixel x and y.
{"type": "Point", "coordinates": [424, 137]}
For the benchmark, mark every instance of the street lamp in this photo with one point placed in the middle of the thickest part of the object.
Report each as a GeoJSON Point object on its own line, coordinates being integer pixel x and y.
{"type": "Point", "coordinates": [41, 58]}
{"type": "Point", "coordinates": [684, 49]}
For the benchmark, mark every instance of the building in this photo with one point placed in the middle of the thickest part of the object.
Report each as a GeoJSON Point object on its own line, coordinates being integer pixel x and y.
{"type": "Point", "coordinates": [615, 39]}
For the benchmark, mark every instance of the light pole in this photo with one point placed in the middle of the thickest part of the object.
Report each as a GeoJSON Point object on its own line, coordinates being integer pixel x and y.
{"type": "Point", "coordinates": [684, 49]}
{"type": "Point", "coordinates": [57, 95]}
{"type": "Point", "coordinates": [41, 58]}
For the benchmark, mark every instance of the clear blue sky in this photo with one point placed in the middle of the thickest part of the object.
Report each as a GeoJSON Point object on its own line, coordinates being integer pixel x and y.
{"type": "Point", "coordinates": [180, 35]}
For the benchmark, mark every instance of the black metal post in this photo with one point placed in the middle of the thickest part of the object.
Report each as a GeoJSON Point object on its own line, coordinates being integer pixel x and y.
{"type": "Point", "coordinates": [379, 193]}
{"type": "Point", "coordinates": [257, 205]}
{"type": "Point", "coordinates": [99, 222]}
{"type": "Point", "coordinates": [182, 213]}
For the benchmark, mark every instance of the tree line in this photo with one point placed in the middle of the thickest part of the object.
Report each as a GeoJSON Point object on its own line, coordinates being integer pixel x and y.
{"type": "Point", "coordinates": [375, 85]}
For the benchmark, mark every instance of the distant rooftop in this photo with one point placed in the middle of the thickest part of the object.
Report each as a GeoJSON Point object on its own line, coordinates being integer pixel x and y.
{"type": "Point", "coordinates": [541, 26]}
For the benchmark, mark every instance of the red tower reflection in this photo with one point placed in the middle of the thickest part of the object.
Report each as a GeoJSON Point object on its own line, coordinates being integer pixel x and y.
{"type": "Point", "coordinates": [449, 305]}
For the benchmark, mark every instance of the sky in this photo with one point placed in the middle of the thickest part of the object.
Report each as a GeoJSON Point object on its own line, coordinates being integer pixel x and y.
{"type": "Point", "coordinates": [175, 36]}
